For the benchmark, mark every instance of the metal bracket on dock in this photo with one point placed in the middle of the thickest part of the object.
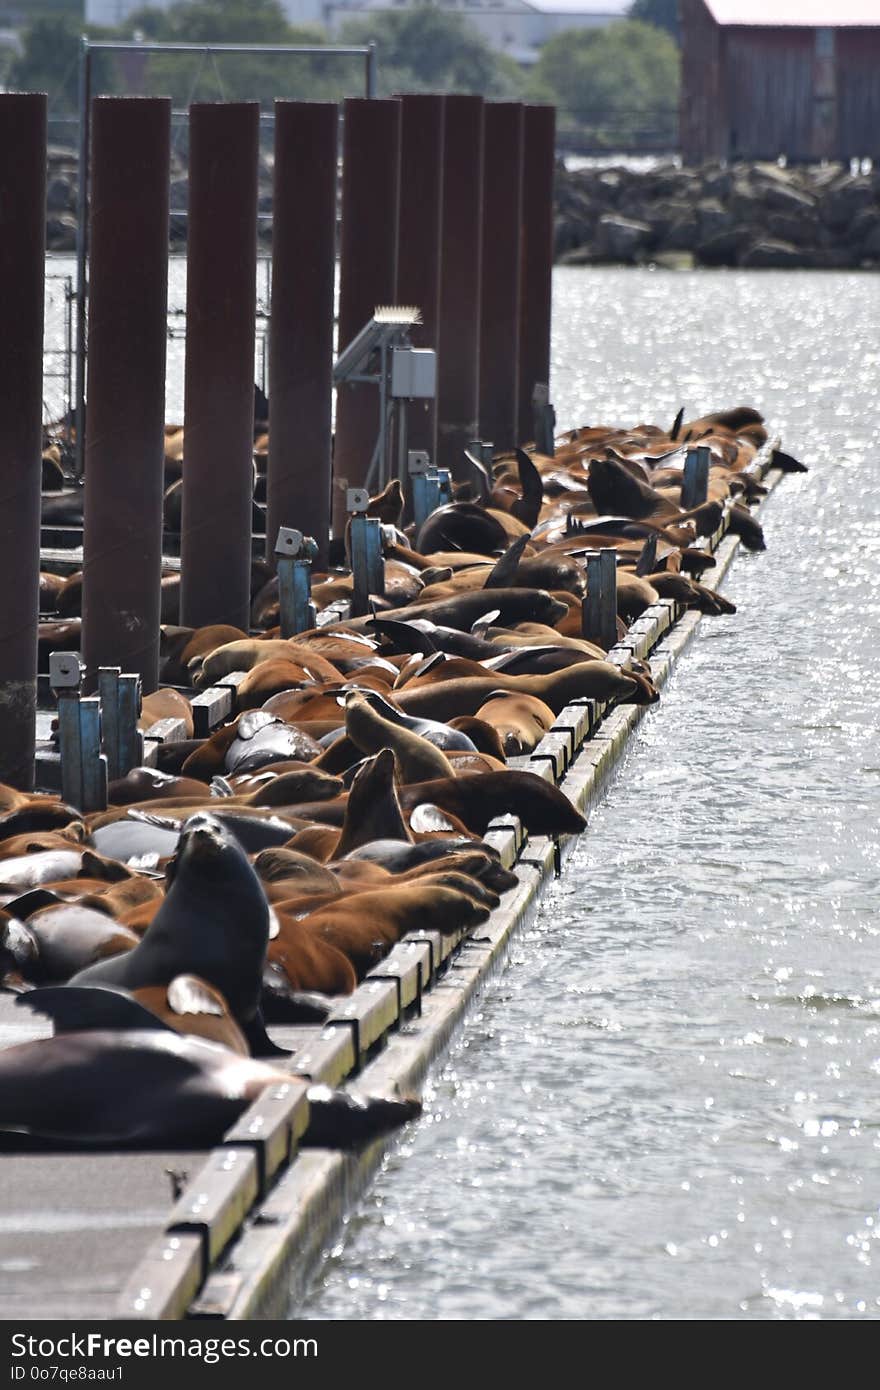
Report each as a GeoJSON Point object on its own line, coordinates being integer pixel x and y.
{"type": "Point", "coordinates": [294, 554]}
{"type": "Point", "coordinates": [431, 487]}
{"type": "Point", "coordinates": [123, 741]}
{"type": "Point", "coordinates": [695, 483]}
{"type": "Point", "coordinates": [83, 765]}
{"type": "Point", "coordinates": [599, 613]}
{"type": "Point", "coordinates": [367, 564]}
{"type": "Point", "coordinates": [545, 419]}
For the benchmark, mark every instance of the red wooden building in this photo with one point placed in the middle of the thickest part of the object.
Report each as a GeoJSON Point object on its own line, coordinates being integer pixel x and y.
{"type": "Point", "coordinates": [762, 78]}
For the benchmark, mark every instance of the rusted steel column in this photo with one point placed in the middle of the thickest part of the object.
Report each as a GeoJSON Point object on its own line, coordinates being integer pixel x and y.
{"type": "Point", "coordinates": [500, 289]}
{"type": "Point", "coordinates": [301, 341]}
{"type": "Point", "coordinates": [539, 136]}
{"type": "Point", "coordinates": [458, 362]}
{"type": "Point", "coordinates": [368, 263]}
{"type": "Point", "coordinates": [218, 413]}
{"type": "Point", "coordinates": [22, 259]}
{"type": "Point", "coordinates": [128, 290]}
{"type": "Point", "coordinates": [418, 239]}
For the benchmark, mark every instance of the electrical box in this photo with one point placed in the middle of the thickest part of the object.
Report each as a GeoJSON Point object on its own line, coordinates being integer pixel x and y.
{"type": "Point", "coordinates": [414, 373]}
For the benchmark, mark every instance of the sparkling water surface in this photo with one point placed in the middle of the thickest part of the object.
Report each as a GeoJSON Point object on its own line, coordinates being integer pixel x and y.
{"type": "Point", "coordinates": [666, 1104]}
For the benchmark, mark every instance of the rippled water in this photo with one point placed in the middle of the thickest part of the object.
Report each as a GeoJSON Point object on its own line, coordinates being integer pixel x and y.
{"type": "Point", "coordinates": [667, 1104]}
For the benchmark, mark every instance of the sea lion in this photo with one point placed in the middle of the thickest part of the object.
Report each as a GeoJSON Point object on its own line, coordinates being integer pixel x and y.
{"type": "Point", "coordinates": [398, 857]}
{"type": "Point", "coordinates": [69, 937]}
{"type": "Point", "coordinates": [151, 1087]}
{"type": "Point", "coordinates": [23, 811]}
{"type": "Point", "coordinates": [214, 922]}
{"type": "Point", "coordinates": [166, 704]}
{"type": "Point", "coordinates": [477, 798]}
{"type": "Point", "coordinates": [364, 925]}
{"type": "Point", "coordinates": [596, 680]}
{"type": "Point", "coordinates": [372, 811]}
{"type": "Point", "coordinates": [521, 721]}
{"type": "Point", "coordinates": [148, 784]}
{"type": "Point", "coordinates": [417, 758]}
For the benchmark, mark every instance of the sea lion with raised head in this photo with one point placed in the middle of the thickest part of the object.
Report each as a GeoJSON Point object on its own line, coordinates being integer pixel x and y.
{"type": "Point", "coordinates": [213, 922]}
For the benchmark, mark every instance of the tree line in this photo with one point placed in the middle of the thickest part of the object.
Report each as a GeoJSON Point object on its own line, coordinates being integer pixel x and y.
{"type": "Point", "coordinates": [610, 83]}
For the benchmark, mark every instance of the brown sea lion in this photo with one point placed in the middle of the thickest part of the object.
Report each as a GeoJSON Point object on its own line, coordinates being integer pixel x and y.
{"type": "Point", "coordinates": [417, 759]}
{"type": "Point", "coordinates": [364, 925]}
{"type": "Point", "coordinates": [521, 721]}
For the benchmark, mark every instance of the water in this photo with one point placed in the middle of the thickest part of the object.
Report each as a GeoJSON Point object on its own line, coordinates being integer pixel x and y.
{"type": "Point", "coordinates": [667, 1104]}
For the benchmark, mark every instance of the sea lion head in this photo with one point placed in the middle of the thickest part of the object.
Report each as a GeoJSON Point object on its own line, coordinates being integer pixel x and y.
{"type": "Point", "coordinates": [210, 859]}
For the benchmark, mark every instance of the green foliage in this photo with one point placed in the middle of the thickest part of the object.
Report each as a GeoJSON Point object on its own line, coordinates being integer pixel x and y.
{"type": "Point", "coordinates": [429, 49]}
{"type": "Point", "coordinates": [611, 83]}
{"type": "Point", "coordinates": [662, 13]}
{"type": "Point", "coordinates": [50, 62]}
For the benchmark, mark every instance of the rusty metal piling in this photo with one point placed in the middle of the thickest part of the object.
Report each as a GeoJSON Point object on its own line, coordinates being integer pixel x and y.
{"type": "Point", "coordinates": [128, 287]}
{"type": "Point", "coordinates": [418, 239]}
{"type": "Point", "coordinates": [500, 289]}
{"type": "Point", "coordinates": [539, 135]}
{"type": "Point", "coordinates": [458, 363]}
{"type": "Point", "coordinates": [368, 266]}
{"type": "Point", "coordinates": [218, 477]}
{"type": "Point", "coordinates": [22, 259]}
{"type": "Point", "coordinates": [301, 341]}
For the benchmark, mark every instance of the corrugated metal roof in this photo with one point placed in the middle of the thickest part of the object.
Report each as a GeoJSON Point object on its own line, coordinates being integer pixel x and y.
{"type": "Point", "coordinates": [809, 14]}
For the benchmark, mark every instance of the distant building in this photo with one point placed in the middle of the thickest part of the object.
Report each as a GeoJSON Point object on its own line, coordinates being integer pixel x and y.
{"type": "Point", "coordinates": [763, 78]}
{"type": "Point", "coordinates": [518, 28]}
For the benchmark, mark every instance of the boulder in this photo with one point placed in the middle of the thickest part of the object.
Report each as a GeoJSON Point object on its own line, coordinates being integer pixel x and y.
{"type": "Point", "coordinates": [845, 199]}
{"type": "Point", "coordinates": [622, 238]}
{"type": "Point", "coordinates": [765, 254]}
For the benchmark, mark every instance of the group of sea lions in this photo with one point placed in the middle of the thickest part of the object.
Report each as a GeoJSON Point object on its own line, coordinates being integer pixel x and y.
{"type": "Point", "coordinates": [254, 875]}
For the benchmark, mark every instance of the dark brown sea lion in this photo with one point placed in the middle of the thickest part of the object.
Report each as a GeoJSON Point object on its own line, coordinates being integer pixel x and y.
{"type": "Point", "coordinates": [149, 1087]}
{"type": "Point", "coordinates": [214, 922]}
{"type": "Point", "coordinates": [597, 680]}
{"type": "Point", "coordinates": [477, 798]}
{"type": "Point", "coordinates": [148, 784]}
{"type": "Point", "coordinates": [70, 937]}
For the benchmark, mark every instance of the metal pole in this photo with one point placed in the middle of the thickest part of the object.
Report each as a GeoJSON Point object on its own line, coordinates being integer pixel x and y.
{"type": "Point", "coordinates": [418, 239]}
{"type": "Point", "coordinates": [22, 269]}
{"type": "Point", "coordinates": [301, 341]}
{"type": "Point", "coordinates": [82, 205]}
{"type": "Point", "coordinates": [500, 290]}
{"type": "Point", "coordinates": [218, 416]}
{"type": "Point", "coordinates": [368, 260]}
{"type": "Point", "coordinates": [372, 70]}
{"type": "Point", "coordinates": [539, 133]}
{"type": "Point", "coordinates": [458, 359]}
{"type": "Point", "coordinates": [122, 536]}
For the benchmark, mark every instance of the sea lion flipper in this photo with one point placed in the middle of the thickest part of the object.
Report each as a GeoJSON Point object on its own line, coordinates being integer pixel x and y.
{"type": "Point", "coordinates": [502, 573]}
{"type": "Point", "coordinates": [81, 1008]}
{"type": "Point", "coordinates": [187, 994]}
{"type": "Point", "coordinates": [341, 1120]}
{"type": "Point", "coordinates": [677, 424]}
{"type": "Point", "coordinates": [258, 1040]}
